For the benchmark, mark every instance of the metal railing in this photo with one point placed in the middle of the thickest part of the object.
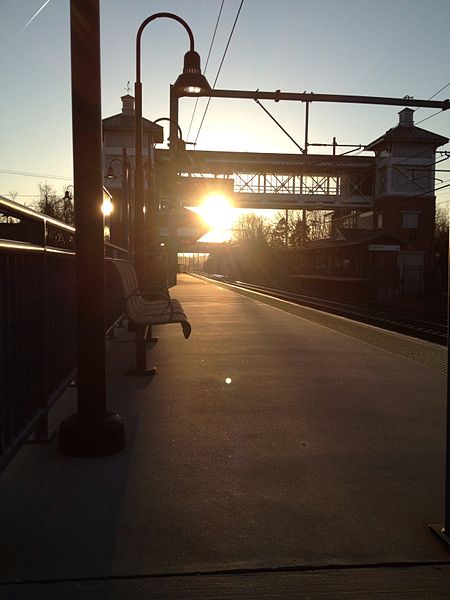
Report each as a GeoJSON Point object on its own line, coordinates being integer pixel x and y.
{"type": "Point", "coordinates": [38, 319]}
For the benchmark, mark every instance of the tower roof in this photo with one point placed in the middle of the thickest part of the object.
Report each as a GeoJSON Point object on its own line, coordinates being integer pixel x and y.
{"type": "Point", "coordinates": [125, 120]}
{"type": "Point", "coordinates": [407, 132]}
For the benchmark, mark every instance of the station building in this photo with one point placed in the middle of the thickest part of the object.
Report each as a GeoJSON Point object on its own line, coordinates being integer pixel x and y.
{"type": "Point", "coordinates": [389, 248]}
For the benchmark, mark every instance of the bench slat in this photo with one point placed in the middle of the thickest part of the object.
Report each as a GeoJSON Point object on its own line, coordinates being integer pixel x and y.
{"type": "Point", "coordinates": [141, 309]}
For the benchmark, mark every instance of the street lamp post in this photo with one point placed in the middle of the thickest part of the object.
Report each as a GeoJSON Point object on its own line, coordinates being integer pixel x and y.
{"type": "Point", "coordinates": [153, 205]}
{"type": "Point", "coordinates": [67, 195]}
{"type": "Point", "coordinates": [192, 82]}
{"type": "Point", "coordinates": [125, 192]}
{"type": "Point", "coordinates": [66, 213]}
{"type": "Point", "coordinates": [162, 263]}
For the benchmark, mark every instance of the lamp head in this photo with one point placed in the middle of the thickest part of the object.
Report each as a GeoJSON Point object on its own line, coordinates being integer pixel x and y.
{"type": "Point", "coordinates": [110, 173]}
{"type": "Point", "coordinates": [67, 195]}
{"type": "Point", "coordinates": [191, 81]}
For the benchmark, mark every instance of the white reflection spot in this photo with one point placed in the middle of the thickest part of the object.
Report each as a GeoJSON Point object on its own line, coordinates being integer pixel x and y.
{"type": "Point", "coordinates": [228, 380]}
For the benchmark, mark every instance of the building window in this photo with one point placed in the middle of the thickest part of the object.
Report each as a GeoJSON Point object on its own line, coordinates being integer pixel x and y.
{"type": "Point", "coordinates": [410, 220]}
{"type": "Point", "coordinates": [380, 221]}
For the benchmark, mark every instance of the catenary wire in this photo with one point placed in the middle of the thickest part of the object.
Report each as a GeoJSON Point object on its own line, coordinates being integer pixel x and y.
{"type": "Point", "coordinates": [219, 69]}
{"type": "Point", "coordinates": [206, 65]}
{"type": "Point", "coordinates": [430, 98]}
{"type": "Point", "coordinates": [434, 95]}
{"type": "Point", "coordinates": [441, 187]}
{"type": "Point", "coordinates": [439, 91]}
{"type": "Point", "coordinates": [429, 117]}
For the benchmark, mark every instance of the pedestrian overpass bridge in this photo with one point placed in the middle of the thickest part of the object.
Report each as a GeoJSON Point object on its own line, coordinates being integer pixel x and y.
{"type": "Point", "coordinates": [263, 180]}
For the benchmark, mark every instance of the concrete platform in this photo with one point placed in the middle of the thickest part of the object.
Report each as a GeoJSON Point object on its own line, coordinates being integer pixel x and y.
{"type": "Point", "coordinates": [276, 447]}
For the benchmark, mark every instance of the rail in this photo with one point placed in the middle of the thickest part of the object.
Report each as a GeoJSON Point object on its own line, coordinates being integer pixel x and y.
{"type": "Point", "coordinates": [418, 324]}
{"type": "Point", "coordinates": [37, 318]}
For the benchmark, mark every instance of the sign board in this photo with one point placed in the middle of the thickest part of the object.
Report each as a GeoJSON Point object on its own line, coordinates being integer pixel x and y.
{"type": "Point", "coordinates": [384, 248]}
{"type": "Point", "coordinates": [182, 232]}
{"type": "Point", "coordinates": [280, 201]}
{"type": "Point", "coordinates": [192, 191]}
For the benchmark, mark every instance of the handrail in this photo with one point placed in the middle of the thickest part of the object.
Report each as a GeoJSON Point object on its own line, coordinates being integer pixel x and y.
{"type": "Point", "coordinates": [11, 244]}
{"type": "Point", "coordinates": [39, 239]}
{"type": "Point", "coordinates": [32, 214]}
{"type": "Point", "coordinates": [38, 316]}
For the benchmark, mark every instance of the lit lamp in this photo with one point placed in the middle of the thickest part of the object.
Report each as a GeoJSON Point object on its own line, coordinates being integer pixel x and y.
{"type": "Point", "coordinates": [191, 81]}
{"type": "Point", "coordinates": [110, 170]}
{"type": "Point", "coordinates": [107, 208]}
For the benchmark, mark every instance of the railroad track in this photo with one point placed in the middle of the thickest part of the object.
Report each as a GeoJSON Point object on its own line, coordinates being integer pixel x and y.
{"type": "Point", "coordinates": [426, 326]}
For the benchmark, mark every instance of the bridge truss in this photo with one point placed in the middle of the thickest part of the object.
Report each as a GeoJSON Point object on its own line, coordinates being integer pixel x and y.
{"type": "Point", "coordinates": [272, 181]}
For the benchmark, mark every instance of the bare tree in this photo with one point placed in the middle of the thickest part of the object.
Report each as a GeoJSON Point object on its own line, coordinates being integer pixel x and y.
{"type": "Point", "coordinates": [298, 232]}
{"type": "Point", "coordinates": [441, 222]}
{"type": "Point", "coordinates": [441, 246]}
{"type": "Point", "coordinates": [318, 224]}
{"type": "Point", "coordinates": [251, 228]}
{"type": "Point", "coordinates": [441, 231]}
{"type": "Point", "coordinates": [54, 205]}
{"type": "Point", "coordinates": [288, 230]}
{"type": "Point", "coordinates": [279, 230]}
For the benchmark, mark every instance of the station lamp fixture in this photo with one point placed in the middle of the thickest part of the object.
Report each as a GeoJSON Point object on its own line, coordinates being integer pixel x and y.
{"type": "Point", "coordinates": [190, 82]}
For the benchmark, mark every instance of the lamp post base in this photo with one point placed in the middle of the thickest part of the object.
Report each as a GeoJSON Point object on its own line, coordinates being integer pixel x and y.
{"type": "Point", "coordinates": [81, 438]}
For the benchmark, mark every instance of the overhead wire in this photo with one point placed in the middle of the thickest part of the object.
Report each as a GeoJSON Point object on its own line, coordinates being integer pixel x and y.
{"type": "Point", "coordinates": [441, 187]}
{"type": "Point", "coordinates": [206, 65]}
{"type": "Point", "coordinates": [434, 95]}
{"type": "Point", "coordinates": [429, 117]}
{"type": "Point", "coordinates": [430, 98]}
{"type": "Point", "coordinates": [19, 195]}
{"type": "Point", "coordinates": [29, 174]}
{"type": "Point", "coordinates": [220, 68]}
{"type": "Point", "coordinates": [439, 91]}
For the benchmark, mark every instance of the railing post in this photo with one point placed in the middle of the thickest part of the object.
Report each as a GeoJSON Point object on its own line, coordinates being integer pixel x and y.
{"type": "Point", "coordinates": [92, 431]}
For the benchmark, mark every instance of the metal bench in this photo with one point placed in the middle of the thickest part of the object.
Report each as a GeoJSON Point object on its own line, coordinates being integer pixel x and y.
{"type": "Point", "coordinates": [146, 306]}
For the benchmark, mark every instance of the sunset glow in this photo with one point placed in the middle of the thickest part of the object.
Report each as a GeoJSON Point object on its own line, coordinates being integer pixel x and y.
{"type": "Point", "coordinates": [217, 212]}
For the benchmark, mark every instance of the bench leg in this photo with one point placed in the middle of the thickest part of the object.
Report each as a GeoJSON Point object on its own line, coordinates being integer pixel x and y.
{"type": "Point", "coordinates": [151, 339]}
{"type": "Point", "coordinates": [141, 354]}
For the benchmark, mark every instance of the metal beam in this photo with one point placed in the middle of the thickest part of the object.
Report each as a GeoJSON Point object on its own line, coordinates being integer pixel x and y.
{"type": "Point", "coordinates": [277, 96]}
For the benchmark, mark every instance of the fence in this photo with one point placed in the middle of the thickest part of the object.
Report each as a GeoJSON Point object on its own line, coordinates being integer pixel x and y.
{"type": "Point", "coordinates": [37, 319]}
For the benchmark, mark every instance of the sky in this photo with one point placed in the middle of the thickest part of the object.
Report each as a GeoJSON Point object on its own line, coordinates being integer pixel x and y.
{"type": "Point", "coordinates": [362, 47]}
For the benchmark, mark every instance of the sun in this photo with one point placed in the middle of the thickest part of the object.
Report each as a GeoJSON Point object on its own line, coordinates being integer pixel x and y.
{"type": "Point", "coordinates": [217, 212]}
